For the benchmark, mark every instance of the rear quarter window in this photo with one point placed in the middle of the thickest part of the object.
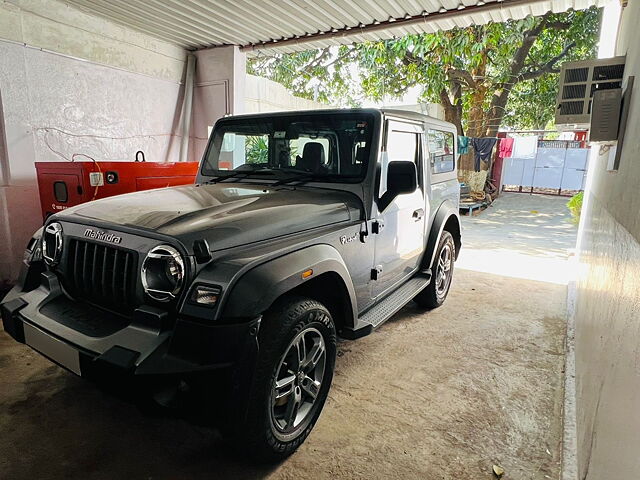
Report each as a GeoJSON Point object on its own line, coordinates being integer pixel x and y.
{"type": "Point", "coordinates": [441, 151]}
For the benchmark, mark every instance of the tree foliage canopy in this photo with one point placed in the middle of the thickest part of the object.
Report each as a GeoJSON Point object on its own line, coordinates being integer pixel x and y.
{"type": "Point", "coordinates": [483, 75]}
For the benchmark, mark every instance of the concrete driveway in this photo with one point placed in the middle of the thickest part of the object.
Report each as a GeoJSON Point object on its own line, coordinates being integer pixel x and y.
{"type": "Point", "coordinates": [430, 395]}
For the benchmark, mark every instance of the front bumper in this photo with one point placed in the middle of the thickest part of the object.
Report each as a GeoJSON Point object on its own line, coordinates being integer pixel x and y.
{"type": "Point", "coordinates": [96, 344]}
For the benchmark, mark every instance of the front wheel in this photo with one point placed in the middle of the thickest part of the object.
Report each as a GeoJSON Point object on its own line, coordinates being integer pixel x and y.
{"type": "Point", "coordinates": [436, 292]}
{"type": "Point", "coordinates": [293, 374]}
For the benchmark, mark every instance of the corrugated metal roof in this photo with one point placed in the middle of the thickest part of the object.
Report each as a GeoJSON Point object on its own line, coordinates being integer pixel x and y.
{"type": "Point", "coordinates": [295, 25]}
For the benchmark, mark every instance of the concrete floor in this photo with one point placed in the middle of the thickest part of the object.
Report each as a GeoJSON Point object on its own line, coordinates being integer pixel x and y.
{"type": "Point", "coordinates": [438, 395]}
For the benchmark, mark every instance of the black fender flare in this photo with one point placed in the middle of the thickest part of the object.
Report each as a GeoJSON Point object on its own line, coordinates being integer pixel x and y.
{"type": "Point", "coordinates": [446, 212]}
{"type": "Point", "coordinates": [257, 289]}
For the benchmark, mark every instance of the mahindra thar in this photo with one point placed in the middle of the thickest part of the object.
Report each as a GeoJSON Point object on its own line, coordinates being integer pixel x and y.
{"type": "Point", "coordinates": [302, 227]}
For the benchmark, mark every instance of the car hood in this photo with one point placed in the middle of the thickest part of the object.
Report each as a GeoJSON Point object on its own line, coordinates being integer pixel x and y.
{"type": "Point", "coordinates": [226, 215]}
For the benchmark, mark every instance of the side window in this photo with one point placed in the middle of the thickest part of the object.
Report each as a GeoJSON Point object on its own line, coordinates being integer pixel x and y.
{"type": "Point", "coordinates": [60, 192]}
{"type": "Point", "coordinates": [441, 151]}
{"type": "Point", "coordinates": [402, 146]}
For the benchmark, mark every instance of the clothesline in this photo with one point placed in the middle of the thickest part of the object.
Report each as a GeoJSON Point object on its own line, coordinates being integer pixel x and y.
{"type": "Point", "coordinates": [517, 146]}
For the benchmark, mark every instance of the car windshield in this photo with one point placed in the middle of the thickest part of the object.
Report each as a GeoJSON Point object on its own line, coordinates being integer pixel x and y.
{"type": "Point", "coordinates": [319, 147]}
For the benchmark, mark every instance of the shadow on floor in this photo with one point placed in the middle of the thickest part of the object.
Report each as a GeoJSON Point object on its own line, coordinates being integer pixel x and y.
{"type": "Point", "coordinates": [54, 423]}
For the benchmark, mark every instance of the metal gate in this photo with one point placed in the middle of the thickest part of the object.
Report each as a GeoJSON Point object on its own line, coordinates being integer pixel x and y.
{"type": "Point", "coordinates": [559, 167]}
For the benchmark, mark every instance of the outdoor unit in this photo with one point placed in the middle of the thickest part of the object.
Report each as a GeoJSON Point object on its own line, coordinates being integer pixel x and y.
{"type": "Point", "coordinates": [578, 83]}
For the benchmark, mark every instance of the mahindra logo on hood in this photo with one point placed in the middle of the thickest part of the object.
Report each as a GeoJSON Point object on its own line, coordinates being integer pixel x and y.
{"type": "Point", "coordinates": [103, 236]}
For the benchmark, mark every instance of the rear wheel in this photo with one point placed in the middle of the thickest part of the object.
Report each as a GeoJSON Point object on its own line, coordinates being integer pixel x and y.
{"type": "Point", "coordinates": [435, 294]}
{"type": "Point", "coordinates": [293, 374]}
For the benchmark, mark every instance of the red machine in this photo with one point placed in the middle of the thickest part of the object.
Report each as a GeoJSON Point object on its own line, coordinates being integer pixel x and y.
{"type": "Point", "coordinates": [65, 184]}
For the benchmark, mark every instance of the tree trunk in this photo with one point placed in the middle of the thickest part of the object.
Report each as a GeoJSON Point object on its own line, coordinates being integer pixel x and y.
{"type": "Point", "coordinates": [501, 97]}
{"type": "Point", "coordinates": [452, 113]}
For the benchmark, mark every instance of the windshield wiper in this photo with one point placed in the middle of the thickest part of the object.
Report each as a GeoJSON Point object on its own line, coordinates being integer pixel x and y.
{"type": "Point", "coordinates": [239, 175]}
{"type": "Point", "coordinates": [303, 177]}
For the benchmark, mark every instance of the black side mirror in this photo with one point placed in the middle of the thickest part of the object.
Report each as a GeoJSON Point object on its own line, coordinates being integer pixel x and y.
{"type": "Point", "coordinates": [402, 177]}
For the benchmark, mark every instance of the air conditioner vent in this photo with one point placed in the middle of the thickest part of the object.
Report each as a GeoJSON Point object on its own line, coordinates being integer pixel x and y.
{"type": "Point", "coordinates": [597, 87]}
{"type": "Point", "coordinates": [571, 108]}
{"type": "Point", "coordinates": [576, 75]}
{"type": "Point", "coordinates": [608, 72]}
{"type": "Point", "coordinates": [573, 91]}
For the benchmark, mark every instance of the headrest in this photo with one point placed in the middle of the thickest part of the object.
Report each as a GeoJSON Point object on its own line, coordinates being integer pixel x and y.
{"type": "Point", "coordinates": [312, 157]}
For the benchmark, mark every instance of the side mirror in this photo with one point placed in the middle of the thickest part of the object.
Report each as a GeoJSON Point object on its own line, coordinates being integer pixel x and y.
{"type": "Point", "coordinates": [402, 177]}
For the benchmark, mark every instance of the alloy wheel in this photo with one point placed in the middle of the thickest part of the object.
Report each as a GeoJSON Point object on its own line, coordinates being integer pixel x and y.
{"type": "Point", "coordinates": [443, 270]}
{"type": "Point", "coordinates": [297, 383]}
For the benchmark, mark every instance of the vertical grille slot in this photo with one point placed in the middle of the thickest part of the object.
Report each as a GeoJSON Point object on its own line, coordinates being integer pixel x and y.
{"type": "Point", "coordinates": [101, 274]}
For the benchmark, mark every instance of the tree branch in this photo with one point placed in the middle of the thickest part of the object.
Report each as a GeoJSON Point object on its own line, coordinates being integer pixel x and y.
{"type": "Point", "coordinates": [558, 25]}
{"type": "Point", "coordinates": [465, 76]}
{"type": "Point", "coordinates": [547, 67]}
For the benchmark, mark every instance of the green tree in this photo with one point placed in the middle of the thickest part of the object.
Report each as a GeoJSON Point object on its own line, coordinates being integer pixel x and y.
{"type": "Point", "coordinates": [482, 75]}
{"type": "Point", "coordinates": [256, 149]}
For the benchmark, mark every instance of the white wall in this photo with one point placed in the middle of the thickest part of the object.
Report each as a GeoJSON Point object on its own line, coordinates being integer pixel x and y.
{"type": "Point", "coordinates": [264, 95]}
{"type": "Point", "coordinates": [607, 316]}
{"type": "Point", "coordinates": [72, 83]}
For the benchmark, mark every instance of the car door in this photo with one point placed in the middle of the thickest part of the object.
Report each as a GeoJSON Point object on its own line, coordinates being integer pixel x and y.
{"type": "Point", "coordinates": [399, 242]}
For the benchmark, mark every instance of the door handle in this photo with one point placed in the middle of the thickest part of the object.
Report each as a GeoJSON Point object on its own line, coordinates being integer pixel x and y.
{"type": "Point", "coordinates": [418, 214]}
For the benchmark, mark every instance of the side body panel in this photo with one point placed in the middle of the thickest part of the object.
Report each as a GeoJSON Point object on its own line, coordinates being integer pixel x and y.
{"type": "Point", "coordinates": [444, 195]}
{"type": "Point", "coordinates": [252, 280]}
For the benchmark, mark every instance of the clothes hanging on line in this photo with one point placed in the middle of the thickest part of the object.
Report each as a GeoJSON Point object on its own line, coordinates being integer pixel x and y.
{"type": "Point", "coordinates": [525, 147]}
{"type": "Point", "coordinates": [463, 144]}
{"type": "Point", "coordinates": [505, 148]}
{"type": "Point", "coordinates": [482, 150]}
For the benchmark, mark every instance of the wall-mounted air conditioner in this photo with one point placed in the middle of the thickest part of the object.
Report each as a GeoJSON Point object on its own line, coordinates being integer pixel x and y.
{"type": "Point", "coordinates": [579, 81]}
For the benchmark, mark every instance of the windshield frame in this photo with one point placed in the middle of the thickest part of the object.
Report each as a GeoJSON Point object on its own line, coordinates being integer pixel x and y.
{"type": "Point", "coordinates": [286, 175]}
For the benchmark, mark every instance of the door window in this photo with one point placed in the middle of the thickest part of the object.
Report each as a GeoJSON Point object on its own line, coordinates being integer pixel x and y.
{"type": "Point", "coordinates": [402, 146]}
{"type": "Point", "coordinates": [441, 151]}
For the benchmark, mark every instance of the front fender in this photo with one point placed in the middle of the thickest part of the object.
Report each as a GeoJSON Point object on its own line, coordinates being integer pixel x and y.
{"type": "Point", "coordinates": [447, 211]}
{"type": "Point", "coordinates": [258, 288]}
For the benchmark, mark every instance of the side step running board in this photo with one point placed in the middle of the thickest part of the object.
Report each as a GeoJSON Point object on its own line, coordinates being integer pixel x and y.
{"type": "Point", "coordinates": [385, 309]}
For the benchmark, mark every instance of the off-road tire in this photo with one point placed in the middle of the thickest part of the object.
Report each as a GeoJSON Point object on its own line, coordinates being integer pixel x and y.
{"type": "Point", "coordinates": [280, 326]}
{"type": "Point", "coordinates": [432, 296]}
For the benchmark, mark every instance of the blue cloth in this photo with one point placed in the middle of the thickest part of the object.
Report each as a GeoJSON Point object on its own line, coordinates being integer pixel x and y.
{"type": "Point", "coordinates": [482, 150]}
{"type": "Point", "coordinates": [463, 144]}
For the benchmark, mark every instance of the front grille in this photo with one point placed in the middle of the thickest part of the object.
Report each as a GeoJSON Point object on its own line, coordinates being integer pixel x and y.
{"type": "Point", "coordinates": [101, 274]}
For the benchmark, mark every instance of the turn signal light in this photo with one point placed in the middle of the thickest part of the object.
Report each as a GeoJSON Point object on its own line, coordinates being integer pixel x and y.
{"type": "Point", "coordinates": [207, 296]}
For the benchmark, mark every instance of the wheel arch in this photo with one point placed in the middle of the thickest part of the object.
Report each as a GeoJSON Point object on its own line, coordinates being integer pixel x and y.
{"type": "Point", "coordinates": [330, 284]}
{"type": "Point", "coordinates": [446, 218]}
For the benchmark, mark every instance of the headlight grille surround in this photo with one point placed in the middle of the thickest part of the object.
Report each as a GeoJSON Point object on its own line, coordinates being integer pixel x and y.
{"type": "Point", "coordinates": [52, 243]}
{"type": "Point", "coordinates": [163, 273]}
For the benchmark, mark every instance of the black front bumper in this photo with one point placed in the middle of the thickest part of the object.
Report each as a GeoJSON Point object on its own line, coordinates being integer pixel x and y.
{"type": "Point", "coordinates": [89, 348]}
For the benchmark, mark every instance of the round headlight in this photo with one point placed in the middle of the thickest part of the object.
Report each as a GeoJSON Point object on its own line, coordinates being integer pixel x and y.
{"type": "Point", "coordinates": [163, 273]}
{"type": "Point", "coordinates": [52, 243]}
